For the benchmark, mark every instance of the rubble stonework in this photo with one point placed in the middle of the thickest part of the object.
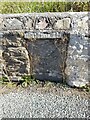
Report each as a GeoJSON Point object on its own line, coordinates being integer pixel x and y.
{"type": "Point", "coordinates": [51, 46]}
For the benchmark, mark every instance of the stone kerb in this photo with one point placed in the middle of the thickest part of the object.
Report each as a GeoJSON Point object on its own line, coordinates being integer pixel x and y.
{"type": "Point", "coordinates": [33, 44]}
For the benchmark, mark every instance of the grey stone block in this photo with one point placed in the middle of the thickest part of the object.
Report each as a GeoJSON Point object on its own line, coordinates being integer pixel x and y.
{"type": "Point", "coordinates": [62, 23]}
{"type": "Point", "coordinates": [77, 61]}
{"type": "Point", "coordinates": [12, 24]}
{"type": "Point", "coordinates": [47, 58]}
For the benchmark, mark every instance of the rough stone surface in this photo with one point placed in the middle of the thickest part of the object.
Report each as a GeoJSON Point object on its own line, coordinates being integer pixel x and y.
{"type": "Point", "coordinates": [1, 23]}
{"type": "Point", "coordinates": [1, 61]}
{"type": "Point", "coordinates": [12, 24]}
{"type": "Point", "coordinates": [36, 36]}
{"type": "Point", "coordinates": [17, 61]}
{"type": "Point", "coordinates": [29, 24]}
{"type": "Point", "coordinates": [77, 61]}
{"type": "Point", "coordinates": [50, 34]}
{"type": "Point", "coordinates": [48, 58]}
{"type": "Point", "coordinates": [63, 23]}
{"type": "Point", "coordinates": [42, 58]}
{"type": "Point", "coordinates": [41, 23]}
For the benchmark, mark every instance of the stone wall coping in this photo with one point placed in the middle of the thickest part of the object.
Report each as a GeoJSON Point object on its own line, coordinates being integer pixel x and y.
{"type": "Point", "coordinates": [40, 14]}
{"type": "Point", "coordinates": [73, 22]}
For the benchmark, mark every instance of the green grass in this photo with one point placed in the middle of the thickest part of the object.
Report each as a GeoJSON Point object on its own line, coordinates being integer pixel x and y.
{"type": "Point", "coordinates": [24, 7]}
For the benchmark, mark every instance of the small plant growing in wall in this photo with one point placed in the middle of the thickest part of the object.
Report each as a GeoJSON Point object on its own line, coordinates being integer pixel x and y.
{"type": "Point", "coordinates": [3, 80]}
{"type": "Point", "coordinates": [86, 88]}
{"type": "Point", "coordinates": [27, 80]}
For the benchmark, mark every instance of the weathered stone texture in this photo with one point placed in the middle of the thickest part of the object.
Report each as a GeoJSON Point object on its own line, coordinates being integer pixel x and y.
{"type": "Point", "coordinates": [29, 24]}
{"type": "Point", "coordinates": [77, 61]}
{"type": "Point", "coordinates": [1, 23]}
{"type": "Point", "coordinates": [35, 21]}
{"type": "Point", "coordinates": [1, 62]}
{"type": "Point", "coordinates": [16, 60]}
{"type": "Point", "coordinates": [48, 58]}
{"type": "Point", "coordinates": [42, 23]}
{"type": "Point", "coordinates": [43, 58]}
{"type": "Point", "coordinates": [11, 40]}
{"type": "Point", "coordinates": [12, 24]}
{"type": "Point", "coordinates": [39, 44]}
{"type": "Point", "coordinates": [63, 23]}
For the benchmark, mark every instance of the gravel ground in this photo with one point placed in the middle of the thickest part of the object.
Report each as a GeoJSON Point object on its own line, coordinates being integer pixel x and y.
{"type": "Point", "coordinates": [41, 102]}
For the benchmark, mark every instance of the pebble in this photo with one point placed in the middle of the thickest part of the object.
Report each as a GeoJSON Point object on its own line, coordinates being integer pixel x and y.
{"type": "Point", "coordinates": [38, 104]}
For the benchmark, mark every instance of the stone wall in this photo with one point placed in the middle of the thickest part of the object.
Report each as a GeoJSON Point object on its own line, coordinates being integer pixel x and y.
{"type": "Point", "coordinates": [50, 46]}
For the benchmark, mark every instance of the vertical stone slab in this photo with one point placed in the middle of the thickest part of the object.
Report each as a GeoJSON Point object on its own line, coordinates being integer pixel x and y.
{"type": "Point", "coordinates": [77, 61]}
{"type": "Point", "coordinates": [78, 58]}
{"type": "Point", "coordinates": [48, 58]}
